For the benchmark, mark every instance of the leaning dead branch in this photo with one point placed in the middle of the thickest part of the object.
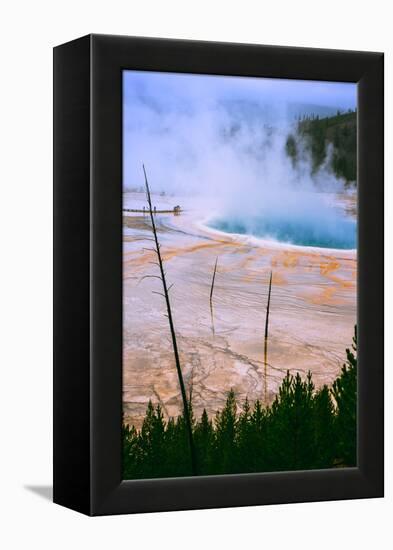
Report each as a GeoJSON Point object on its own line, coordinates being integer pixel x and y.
{"type": "Point", "coordinates": [165, 295]}
{"type": "Point", "coordinates": [267, 333]}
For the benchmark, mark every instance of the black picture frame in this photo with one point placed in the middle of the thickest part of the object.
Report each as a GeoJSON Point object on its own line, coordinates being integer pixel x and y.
{"type": "Point", "coordinates": [88, 274]}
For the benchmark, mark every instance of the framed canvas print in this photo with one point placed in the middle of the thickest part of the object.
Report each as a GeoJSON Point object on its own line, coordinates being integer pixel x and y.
{"type": "Point", "coordinates": [218, 275]}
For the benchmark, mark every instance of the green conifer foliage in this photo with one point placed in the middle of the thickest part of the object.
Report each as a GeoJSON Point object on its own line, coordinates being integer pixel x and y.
{"type": "Point", "coordinates": [345, 395]}
{"type": "Point", "coordinates": [303, 429]}
{"type": "Point", "coordinates": [225, 428]}
{"type": "Point", "coordinates": [204, 442]}
{"type": "Point", "coordinates": [324, 429]}
{"type": "Point", "coordinates": [316, 134]}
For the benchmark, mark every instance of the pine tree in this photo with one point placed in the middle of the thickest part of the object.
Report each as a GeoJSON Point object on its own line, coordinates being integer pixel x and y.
{"type": "Point", "coordinates": [152, 442]}
{"type": "Point", "coordinates": [130, 452]}
{"type": "Point", "coordinates": [324, 433]}
{"type": "Point", "coordinates": [344, 392]}
{"type": "Point", "coordinates": [259, 451]}
{"type": "Point", "coordinates": [291, 148]}
{"type": "Point", "coordinates": [173, 448]}
{"type": "Point", "coordinates": [304, 453]}
{"type": "Point", "coordinates": [225, 448]}
{"type": "Point", "coordinates": [291, 424]}
{"type": "Point", "coordinates": [281, 445]}
{"type": "Point", "coordinates": [204, 442]}
{"type": "Point", "coordinates": [244, 435]}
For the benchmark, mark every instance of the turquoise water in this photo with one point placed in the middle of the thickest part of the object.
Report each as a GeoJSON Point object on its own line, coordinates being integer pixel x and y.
{"type": "Point", "coordinates": [336, 231]}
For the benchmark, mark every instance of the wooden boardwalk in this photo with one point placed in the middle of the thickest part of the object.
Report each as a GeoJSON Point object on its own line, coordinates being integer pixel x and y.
{"type": "Point", "coordinates": [147, 211]}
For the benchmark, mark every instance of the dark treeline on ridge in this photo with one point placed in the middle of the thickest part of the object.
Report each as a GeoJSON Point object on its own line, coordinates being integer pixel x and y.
{"type": "Point", "coordinates": [317, 133]}
{"type": "Point", "coordinates": [304, 428]}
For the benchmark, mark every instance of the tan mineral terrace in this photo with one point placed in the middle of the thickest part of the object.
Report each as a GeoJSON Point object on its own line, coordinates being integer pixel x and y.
{"type": "Point", "coordinates": [312, 312]}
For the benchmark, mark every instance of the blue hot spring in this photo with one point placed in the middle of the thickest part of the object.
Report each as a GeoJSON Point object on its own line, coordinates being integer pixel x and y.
{"type": "Point", "coordinates": [335, 230]}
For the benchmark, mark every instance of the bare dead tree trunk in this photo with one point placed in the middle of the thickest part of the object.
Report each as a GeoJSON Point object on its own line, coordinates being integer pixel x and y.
{"type": "Point", "coordinates": [214, 277]}
{"type": "Point", "coordinates": [212, 318]}
{"type": "Point", "coordinates": [211, 295]}
{"type": "Point", "coordinates": [186, 410]}
{"type": "Point", "coordinates": [267, 333]}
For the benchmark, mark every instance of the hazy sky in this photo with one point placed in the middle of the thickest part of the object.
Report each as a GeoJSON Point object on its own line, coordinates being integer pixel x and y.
{"type": "Point", "coordinates": [177, 89]}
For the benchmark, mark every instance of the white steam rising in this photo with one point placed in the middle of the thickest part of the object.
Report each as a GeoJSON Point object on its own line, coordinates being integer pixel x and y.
{"type": "Point", "coordinates": [226, 151]}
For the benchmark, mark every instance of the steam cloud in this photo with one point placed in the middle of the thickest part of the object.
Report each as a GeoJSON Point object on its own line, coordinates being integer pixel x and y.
{"type": "Point", "coordinates": [222, 141]}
